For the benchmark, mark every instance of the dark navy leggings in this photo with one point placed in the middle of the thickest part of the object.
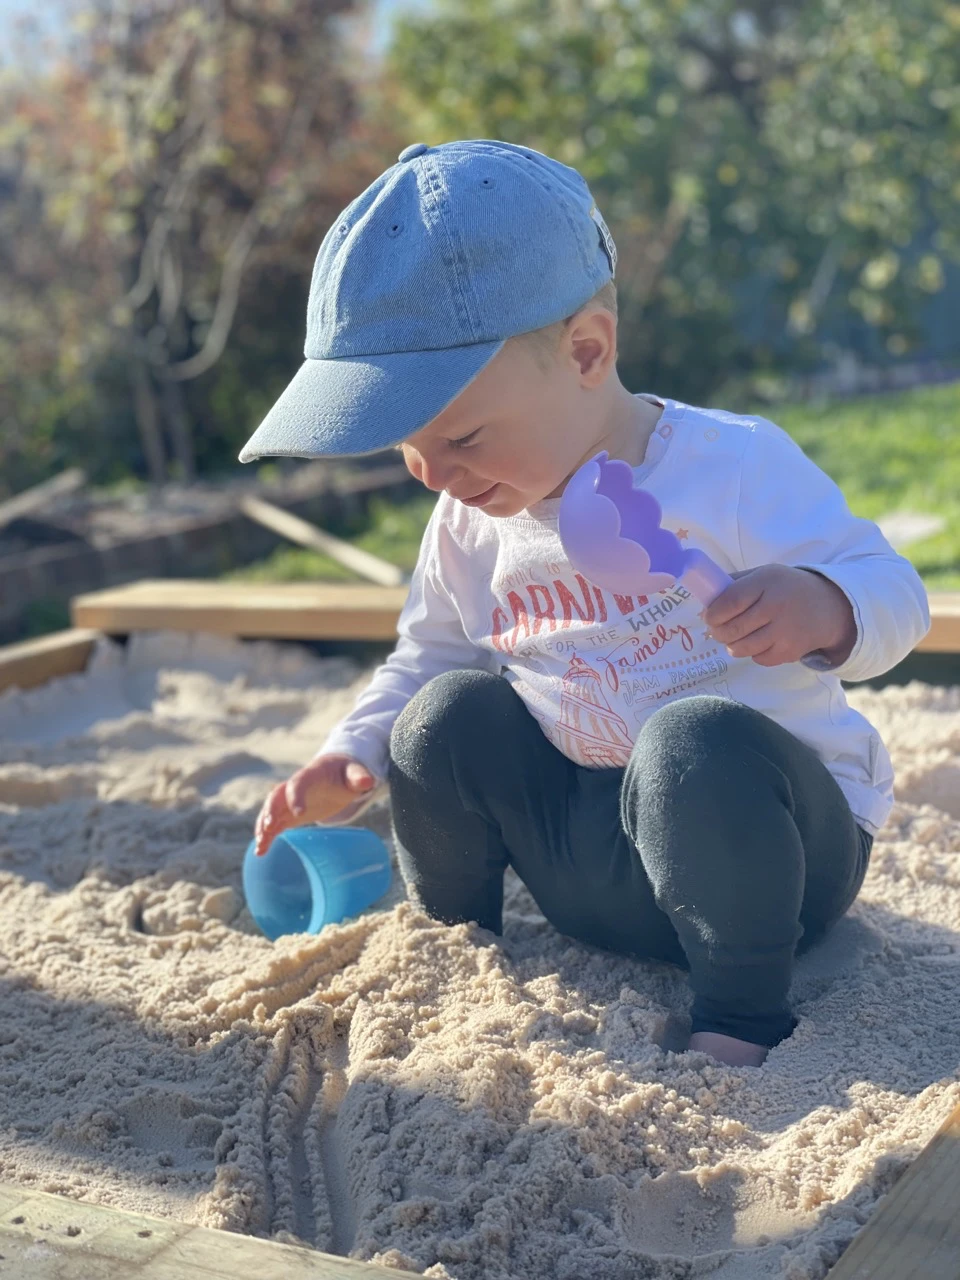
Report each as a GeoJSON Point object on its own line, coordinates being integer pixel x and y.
{"type": "Point", "coordinates": [725, 846]}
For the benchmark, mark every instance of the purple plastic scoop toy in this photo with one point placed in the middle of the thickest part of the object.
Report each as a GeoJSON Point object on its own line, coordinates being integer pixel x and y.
{"type": "Point", "coordinates": [611, 534]}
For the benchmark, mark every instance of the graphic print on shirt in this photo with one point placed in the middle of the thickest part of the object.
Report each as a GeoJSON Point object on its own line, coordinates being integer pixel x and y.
{"type": "Point", "coordinates": [589, 730]}
{"type": "Point", "coordinates": [619, 668]}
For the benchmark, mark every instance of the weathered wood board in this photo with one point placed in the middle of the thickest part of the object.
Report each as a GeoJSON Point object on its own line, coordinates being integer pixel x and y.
{"type": "Point", "coordinates": [45, 1237]}
{"type": "Point", "coordinates": [320, 611]}
{"type": "Point", "coordinates": [288, 610]}
{"type": "Point", "coordinates": [40, 495]}
{"type": "Point", "coordinates": [915, 1233]}
{"type": "Point", "coordinates": [34, 662]}
{"type": "Point", "coordinates": [944, 634]}
{"type": "Point", "coordinates": [306, 534]}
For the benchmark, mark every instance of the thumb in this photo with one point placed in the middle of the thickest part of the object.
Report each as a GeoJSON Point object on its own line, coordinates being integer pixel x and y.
{"type": "Point", "coordinates": [358, 777]}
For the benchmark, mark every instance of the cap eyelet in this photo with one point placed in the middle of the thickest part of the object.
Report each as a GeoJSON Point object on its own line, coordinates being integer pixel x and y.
{"type": "Point", "coordinates": [342, 229]}
{"type": "Point", "coordinates": [487, 182]}
{"type": "Point", "coordinates": [394, 230]}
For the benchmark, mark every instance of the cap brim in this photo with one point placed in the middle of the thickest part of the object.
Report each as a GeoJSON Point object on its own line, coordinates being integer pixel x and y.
{"type": "Point", "coordinates": [364, 403]}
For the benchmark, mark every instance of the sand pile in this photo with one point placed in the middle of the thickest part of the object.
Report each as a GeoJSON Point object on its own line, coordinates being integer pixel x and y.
{"type": "Point", "coordinates": [427, 1097]}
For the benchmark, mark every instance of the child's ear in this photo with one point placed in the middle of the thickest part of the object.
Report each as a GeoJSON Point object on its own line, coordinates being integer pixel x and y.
{"type": "Point", "coordinates": [592, 343]}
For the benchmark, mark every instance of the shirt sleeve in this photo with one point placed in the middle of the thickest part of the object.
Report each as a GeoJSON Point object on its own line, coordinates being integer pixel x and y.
{"type": "Point", "coordinates": [430, 640]}
{"type": "Point", "coordinates": [791, 512]}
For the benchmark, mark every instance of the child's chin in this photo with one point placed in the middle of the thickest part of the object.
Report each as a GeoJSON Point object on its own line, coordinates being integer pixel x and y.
{"type": "Point", "coordinates": [510, 504]}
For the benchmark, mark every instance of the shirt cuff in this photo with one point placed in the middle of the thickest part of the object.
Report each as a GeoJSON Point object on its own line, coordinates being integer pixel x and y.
{"type": "Point", "coordinates": [372, 754]}
{"type": "Point", "coordinates": [817, 660]}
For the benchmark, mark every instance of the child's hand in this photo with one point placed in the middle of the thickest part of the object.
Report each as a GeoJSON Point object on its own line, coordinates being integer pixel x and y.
{"type": "Point", "coordinates": [326, 788]}
{"type": "Point", "coordinates": [776, 614]}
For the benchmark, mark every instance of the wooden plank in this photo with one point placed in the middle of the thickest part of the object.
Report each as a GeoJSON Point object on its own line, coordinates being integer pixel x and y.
{"type": "Point", "coordinates": [944, 634]}
{"type": "Point", "coordinates": [286, 610]}
{"type": "Point", "coordinates": [37, 497]}
{"type": "Point", "coordinates": [207, 544]}
{"type": "Point", "coordinates": [308, 535]}
{"type": "Point", "coordinates": [363, 479]}
{"type": "Point", "coordinates": [34, 662]}
{"type": "Point", "coordinates": [46, 1237]}
{"type": "Point", "coordinates": [915, 1233]}
{"type": "Point", "coordinates": [319, 611]}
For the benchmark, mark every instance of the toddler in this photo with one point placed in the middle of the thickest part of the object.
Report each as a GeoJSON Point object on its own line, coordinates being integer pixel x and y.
{"type": "Point", "coordinates": [671, 783]}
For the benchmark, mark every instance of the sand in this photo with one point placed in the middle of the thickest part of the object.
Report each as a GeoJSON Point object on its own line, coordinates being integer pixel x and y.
{"type": "Point", "coordinates": [429, 1098]}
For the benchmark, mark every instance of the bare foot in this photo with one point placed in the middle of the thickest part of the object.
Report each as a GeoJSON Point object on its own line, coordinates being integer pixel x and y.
{"type": "Point", "coordinates": [728, 1049]}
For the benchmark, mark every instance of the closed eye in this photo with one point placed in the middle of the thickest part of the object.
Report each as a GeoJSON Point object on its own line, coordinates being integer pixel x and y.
{"type": "Point", "coordinates": [464, 440]}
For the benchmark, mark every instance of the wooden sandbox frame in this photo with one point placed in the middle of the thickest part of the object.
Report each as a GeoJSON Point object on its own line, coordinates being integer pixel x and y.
{"type": "Point", "coordinates": [913, 1235]}
{"type": "Point", "coordinates": [47, 1237]}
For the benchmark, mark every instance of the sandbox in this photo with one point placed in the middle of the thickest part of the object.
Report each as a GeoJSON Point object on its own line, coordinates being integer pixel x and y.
{"type": "Point", "coordinates": [426, 1098]}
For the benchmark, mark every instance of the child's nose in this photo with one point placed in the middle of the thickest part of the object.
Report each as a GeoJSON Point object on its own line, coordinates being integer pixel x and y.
{"type": "Point", "coordinates": [434, 473]}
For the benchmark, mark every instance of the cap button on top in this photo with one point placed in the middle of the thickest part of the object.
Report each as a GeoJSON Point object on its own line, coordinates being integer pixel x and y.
{"type": "Point", "coordinates": [410, 153]}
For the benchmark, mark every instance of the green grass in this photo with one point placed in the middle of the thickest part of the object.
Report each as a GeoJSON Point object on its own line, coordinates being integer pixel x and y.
{"type": "Point", "coordinates": [393, 532]}
{"type": "Point", "coordinates": [894, 452]}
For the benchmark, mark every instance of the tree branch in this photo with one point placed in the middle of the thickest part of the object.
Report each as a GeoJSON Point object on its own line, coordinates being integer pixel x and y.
{"type": "Point", "coordinates": [648, 264]}
{"type": "Point", "coordinates": [225, 310]}
{"type": "Point", "coordinates": [235, 262]}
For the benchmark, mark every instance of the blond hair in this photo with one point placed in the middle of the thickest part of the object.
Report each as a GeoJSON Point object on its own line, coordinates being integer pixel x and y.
{"type": "Point", "coordinates": [543, 343]}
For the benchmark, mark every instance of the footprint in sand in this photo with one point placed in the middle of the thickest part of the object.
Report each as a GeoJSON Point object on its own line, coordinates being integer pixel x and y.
{"type": "Point", "coordinates": [168, 1124]}
{"type": "Point", "coordinates": [691, 1215]}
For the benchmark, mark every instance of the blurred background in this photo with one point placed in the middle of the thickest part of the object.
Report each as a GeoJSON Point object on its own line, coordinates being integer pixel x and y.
{"type": "Point", "coordinates": [782, 181]}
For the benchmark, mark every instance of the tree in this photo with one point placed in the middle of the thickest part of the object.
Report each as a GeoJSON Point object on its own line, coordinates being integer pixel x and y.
{"type": "Point", "coordinates": [868, 131]}
{"type": "Point", "coordinates": [180, 151]}
{"type": "Point", "coordinates": [761, 164]}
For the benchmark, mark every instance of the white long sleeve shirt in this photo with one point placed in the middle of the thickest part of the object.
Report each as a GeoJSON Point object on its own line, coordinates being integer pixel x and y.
{"type": "Point", "coordinates": [499, 594]}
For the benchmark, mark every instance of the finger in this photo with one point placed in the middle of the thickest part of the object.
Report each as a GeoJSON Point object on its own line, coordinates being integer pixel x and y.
{"type": "Point", "coordinates": [260, 829]}
{"type": "Point", "coordinates": [276, 805]}
{"type": "Point", "coordinates": [358, 777]}
{"type": "Point", "coordinates": [744, 624]}
{"type": "Point", "coordinates": [757, 642]}
{"type": "Point", "coordinates": [739, 596]}
{"type": "Point", "coordinates": [262, 817]}
{"type": "Point", "coordinates": [261, 839]}
{"type": "Point", "coordinates": [269, 816]}
{"type": "Point", "coordinates": [772, 657]}
{"type": "Point", "coordinates": [294, 794]}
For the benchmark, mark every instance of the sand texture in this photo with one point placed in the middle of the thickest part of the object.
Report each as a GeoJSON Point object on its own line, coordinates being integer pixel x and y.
{"type": "Point", "coordinates": [429, 1098]}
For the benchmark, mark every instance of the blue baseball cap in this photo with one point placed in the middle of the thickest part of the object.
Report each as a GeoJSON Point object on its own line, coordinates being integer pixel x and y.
{"type": "Point", "coordinates": [419, 283]}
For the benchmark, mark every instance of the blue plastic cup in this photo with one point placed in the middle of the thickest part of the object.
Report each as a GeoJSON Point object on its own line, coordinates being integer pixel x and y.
{"type": "Point", "coordinates": [312, 876]}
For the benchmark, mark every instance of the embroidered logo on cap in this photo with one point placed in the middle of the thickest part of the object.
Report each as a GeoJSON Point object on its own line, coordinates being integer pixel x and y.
{"type": "Point", "coordinates": [606, 239]}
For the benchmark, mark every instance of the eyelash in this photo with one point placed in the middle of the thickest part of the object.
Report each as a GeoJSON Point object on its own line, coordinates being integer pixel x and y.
{"type": "Point", "coordinates": [464, 440]}
{"type": "Point", "coordinates": [462, 443]}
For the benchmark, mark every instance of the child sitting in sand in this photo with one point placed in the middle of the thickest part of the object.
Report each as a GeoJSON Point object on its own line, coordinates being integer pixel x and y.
{"type": "Point", "coordinates": [670, 783]}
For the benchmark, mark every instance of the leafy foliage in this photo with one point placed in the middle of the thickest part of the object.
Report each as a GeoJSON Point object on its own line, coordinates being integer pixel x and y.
{"type": "Point", "coordinates": [769, 170]}
{"type": "Point", "coordinates": [781, 178]}
{"type": "Point", "coordinates": [182, 153]}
